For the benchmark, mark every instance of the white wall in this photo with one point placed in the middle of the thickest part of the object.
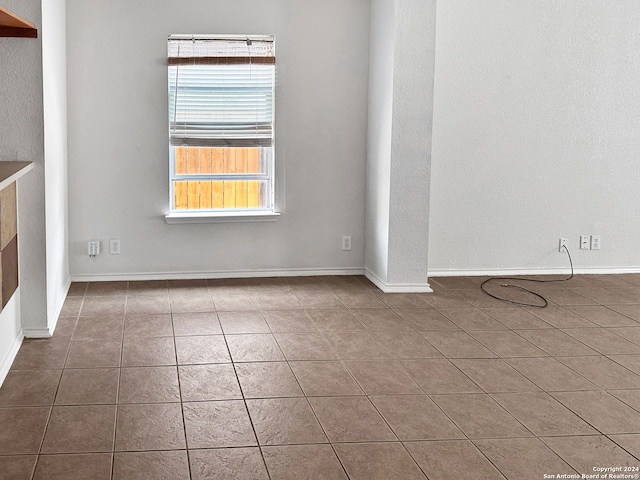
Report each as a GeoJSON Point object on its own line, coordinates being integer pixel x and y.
{"type": "Point", "coordinates": [21, 134]}
{"type": "Point", "coordinates": [118, 154]}
{"type": "Point", "coordinates": [401, 73]}
{"type": "Point", "coordinates": [536, 134]}
{"type": "Point", "coordinates": [55, 151]}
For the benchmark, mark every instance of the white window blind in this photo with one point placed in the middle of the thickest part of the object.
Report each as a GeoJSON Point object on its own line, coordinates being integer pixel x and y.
{"type": "Point", "coordinates": [221, 91]}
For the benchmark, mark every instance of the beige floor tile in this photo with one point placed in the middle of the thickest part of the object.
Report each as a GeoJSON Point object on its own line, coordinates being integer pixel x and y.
{"type": "Point", "coordinates": [305, 346]}
{"type": "Point", "coordinates": [325, 379]}
{"type": "Point", "coordinates": [585, 452]}
{"type": "Point", "coordinates": [202, 349]}
{"type": "Point", "coordinates": [71, 306]}
{"type": "Point", "coordinates": [472, 319]}
{"type": "Point", "coordinates": [65, 328]}
{"type": "Point", "coordinates": [149, 385]}
{"type": "Point", "coordinates": [506, 343]}
{"type": "Point", "coordinates": [542, 414]}
{"type": "Point", "coordinates": [378, 461]}
{"type": "Point", "coordinates": [99, 328]}
{"type": "Point", "coordinates": [603, 316]}
{"type": "Point", "coordinates": [285, 421]}
{"type": "Point", "coordinates": [604, 296]}
{"type": "Point", "coordinates": [190, 301]}
{"type": "Point", "coordinates": [290, 321]}
{"type": "Point", "coordinates": [406, 345]}
{"type": "Point", "coordinates": [439, 376]}
{"type": "Point", "coordinates": [276, 301]}
{"type": "Point", "coordinates": [630, 442]}
{"type": "Point", "coordinates": [631, 311]}
{"type": "Point", "coordinates": [457, 344]}
{"type": "Point", "coordinates": [243, 322]}
{"type": "Point", "coordinates": [186, 324]}
{"type": "Point", "coordinates": [208, 382]}
{"type": "Point", "coordinates": [350, 419]}
{"type": "Point", "coordinates": [19, 467]}
{"type": "Point", "coordinates": [380, 377]}
{"type": "Point", "coordinates": [335, 320]}
{"type": "Point", "coordinates": [561, 317]}
{"type": "Point", "coordinates": [234, 302]}
{"type": "Point", "coordinates": [254, 348]}
{"type": "Point", "coordinates": [150, 427]}
{"type": "Point", "coordinates": [516, 318]}
{"type": "Point", "coordinates": [602, 371]}
{"type": "Point", "coordinates": [602, 410]}
{"type": "Point", "coordinates": [94, 354]}
{"type": "Point", "coordinates": [425, 319]}
{"type": "Point", "coordinates": [415, 417]}
{"type": "Point", "coordinates": [479, 416]}
{"type": "Point", "coordinates": [77, 429]}
{"type": "Point", "coordinates": [452, 460]}
{"type": "Point", "coordinates": [218, 424]}
{"type": "Point", "coordinates": [603, 341]}
{"type": "Point", "coordinates": [170, 465]}
{"type": "Point", "coordinates": [402, 300]}
{"type": "Point", "coordinates": [356, 346]}
{"type": "Point", "coordinates": [227, 463]}
{"type": "Point", "coordinates": [148, 287]}
{"type": "Point", "coordinates": [631, 334]}
{"type": "Point", "coordinates": [303, 462]}
{"type": "Point", "coordinates": [96, 466]}
{"type": "Point", "coordinates": [523, 458]}
{"type": "Point", "coordinates": [444, 299]}
{"type": "Point", "coordinates": [77, 289]}
{"type": "Point", "coordinates": [630, 397]}
{"type": "Point", "coordinates": [267, 379]}
{"type": "Point", "coordinates": [39, 354]}
{"type": "Point", "coordinates": [148, 326]}
{"type": "Point", "coordinates": [148, 352]}
{"type": "Point", "coordinates": [380, 319]}
{"type": "Point", "coordinates": [106, 288]}
{"type": "Point", "coordinates": [564, 296]}
{"type": "Point", "coordinates": [317, 300]}
{"type": "Point", "coordinates": [147, 305]}
{"type": "Point", "coordinates": [22, 429]}
{"type": "Point", "coordinates": [555, 342]}
{"type": "Point", "coordinates": [551, 375]}
{"type": "Point", "coordinates": [29, 388]}
{"type": "Point", "coordinates": [111, 306]}
{"type": "Point", "coordinates": [88, 386]}
{"type": "Point", "coordinates": [359, 299]}
{"type": "Point", "coordinates": [494, 375]}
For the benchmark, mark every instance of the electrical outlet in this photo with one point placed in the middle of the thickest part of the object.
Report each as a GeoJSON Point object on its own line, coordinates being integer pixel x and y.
{"type": "Point", "coordinates": [346, 242]}
{"type": "Point", "coordinates": [94, 248]}
{"type": "Point", "coordinates": [114, 246]}
{"type": "Point", "coordinates": [562, 244]}
{"type": "Point", "coordinates": [585, 243]}
{"type": "Point", "coordinates": [595, 242]}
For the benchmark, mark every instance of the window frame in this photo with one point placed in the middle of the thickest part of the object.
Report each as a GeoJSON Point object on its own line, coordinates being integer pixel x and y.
{"type": "Point", "coordinates": [204, 215]}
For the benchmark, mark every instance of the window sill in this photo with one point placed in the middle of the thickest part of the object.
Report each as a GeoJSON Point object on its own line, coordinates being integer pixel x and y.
{"type": "Point", "coordinates": [220, 217]}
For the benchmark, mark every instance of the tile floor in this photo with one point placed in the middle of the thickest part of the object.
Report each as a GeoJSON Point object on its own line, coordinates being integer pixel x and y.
{"type": "Point", "coordinates": [326, 378]}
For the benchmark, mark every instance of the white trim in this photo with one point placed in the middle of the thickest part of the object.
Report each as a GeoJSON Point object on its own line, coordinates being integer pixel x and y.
{"type": "Point", "coordinates": [221, 217]}
{"type": "Point", "coordinates": [292, 272]}
{"type": "Point", "coordinates": [530, 271]}
{"type": "Point", "coordinates": [52, 321]}
{"type": "Point", "coordinates": [397, 287]}
{"type": "Point", "coordinates": [38, 332]}
{"type": "Point", "coordinates": [8, 359]}
{"type": "Point", "coordinates": [10, 175]}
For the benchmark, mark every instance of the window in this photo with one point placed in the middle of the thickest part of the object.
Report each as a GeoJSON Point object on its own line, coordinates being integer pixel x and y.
{"type": "Point", "coordinates": [221, 112]}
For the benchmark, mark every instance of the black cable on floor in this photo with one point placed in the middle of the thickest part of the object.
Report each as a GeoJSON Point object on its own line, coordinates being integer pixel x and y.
{"type": "Point", "coordinates": [509, 285]}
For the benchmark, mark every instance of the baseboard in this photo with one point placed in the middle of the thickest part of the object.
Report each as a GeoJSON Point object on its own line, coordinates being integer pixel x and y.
{"type": "Point", "coordinates": [532, 271]}
{"type": "Point", "coordinates": [397, 287]}
{"type": "Point", "coordinates": [52, 321]}
{"type": "Point", "coordinates": [8, 359]}
{"type": "Point", "coordinates": [292, 272]}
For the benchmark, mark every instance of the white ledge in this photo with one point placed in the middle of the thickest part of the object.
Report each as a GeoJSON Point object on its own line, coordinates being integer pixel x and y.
{"type": "Point", "coordinates": [220, 217]}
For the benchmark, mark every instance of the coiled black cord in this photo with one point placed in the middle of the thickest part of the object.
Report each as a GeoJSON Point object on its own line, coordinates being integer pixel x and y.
{"type": "Point", "coordinates": [509, 285]}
